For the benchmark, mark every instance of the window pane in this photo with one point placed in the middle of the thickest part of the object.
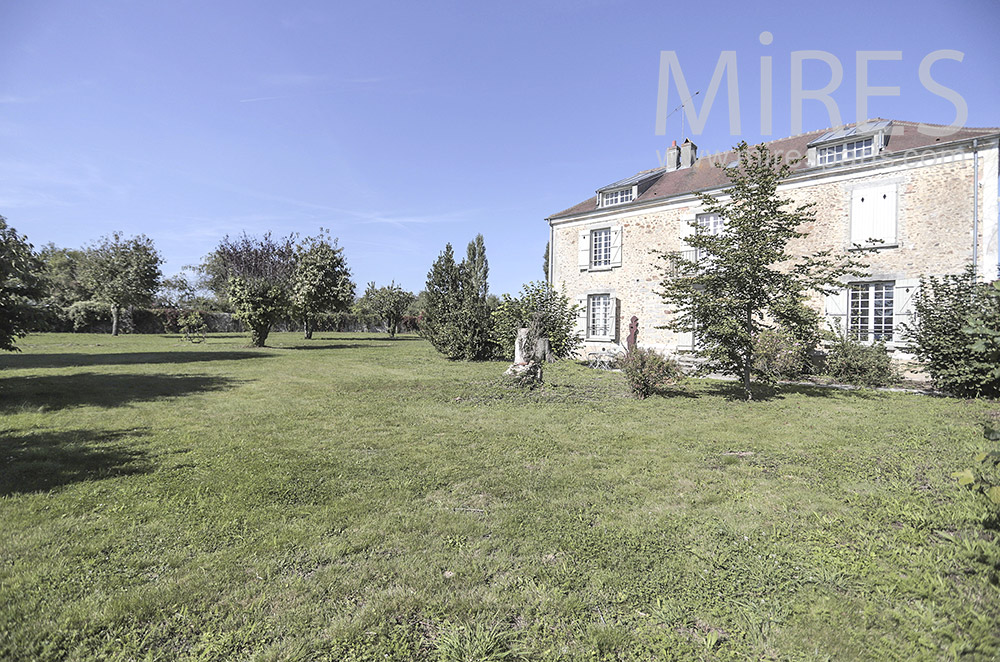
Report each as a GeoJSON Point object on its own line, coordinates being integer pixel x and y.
{"type": "Point", "coordinates": [600, 248]}
{"type": "Point", "coordinates": [599, 320]}
{"type": "Point", "coordinates": [857, 321]}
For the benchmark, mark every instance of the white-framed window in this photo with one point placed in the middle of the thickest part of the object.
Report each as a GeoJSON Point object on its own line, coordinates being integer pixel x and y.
{"type": "Point", "coordinates": [710, 224]}
{"type": "Point", "coordinates": [873, 216]}
{"type": "Point", "coordinates": [857, 149]}
{"type": "Point", "coordinates": [600, 248]}
{"type": "Point", "coordinates": [870, 311]}
{"type": "Point", "coordinates": [617, 197]}
{"type": "Point", "coordinates": [600, 317]}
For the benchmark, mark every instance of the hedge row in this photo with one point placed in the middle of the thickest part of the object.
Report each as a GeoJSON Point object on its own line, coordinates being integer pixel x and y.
{"type": "Point", "coordinates": [95, 317]}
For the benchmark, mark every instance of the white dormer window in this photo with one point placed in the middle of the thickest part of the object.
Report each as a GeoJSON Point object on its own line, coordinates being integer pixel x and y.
{"type": "Point", "coordinates": [857, 149]}
{"type": "Point", "coordinates": [618, 197]}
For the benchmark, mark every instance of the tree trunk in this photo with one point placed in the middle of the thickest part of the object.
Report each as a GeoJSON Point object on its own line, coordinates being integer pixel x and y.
{"type": "Point", "coordinates": [748, 358]}
{"type": "Point", "coordinates": [258, 335]}
{"type": "Point", "coordinates": [392, 330]}
{"type": "Point", "coordinates": [114, 320]}
{"type": "Point", "coordinates": [308, 329]}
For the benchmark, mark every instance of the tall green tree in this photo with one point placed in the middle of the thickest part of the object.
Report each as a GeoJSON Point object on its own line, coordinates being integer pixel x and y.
{"type": "Point", "coordinates": [321, 282]}
{"type": "Point", "coordinates": [457, 317]}
{"type": "Point", "coordinates": [21, 285]}
{"type": "Point", "coordinates": [545, 263]}
{"type": "Point", "coordinates": [259, 274]}
{"type": "Point", "coordinates": [122, 272]}
{"type": "Point", "coordinates": [475, 320]}
{"type": "Point", "coordinates": [744, 280]}
{"type": "Point", "coordinates": [442, 297]}
{"type": "Point", "coordinates": [386, 304]}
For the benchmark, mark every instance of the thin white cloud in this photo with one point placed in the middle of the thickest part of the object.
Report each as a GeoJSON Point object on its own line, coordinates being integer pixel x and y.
{"type": "Point", "coordinates": [251, 100]}
{"type": "Point", "coordinates": [293, 79]}
{"type": "Point", "coordinates": [29, 184]}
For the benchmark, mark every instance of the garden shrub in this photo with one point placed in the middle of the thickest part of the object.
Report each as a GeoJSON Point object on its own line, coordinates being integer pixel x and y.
{"type": "Point", "coordinates": [90, 317]}
{"type": "Point", "coordinates": [851, 361]}
{"type": "Point", "coordinates": [554, 312]}
{"type": "Point", "coordinates": [780, 355]}
{"type": "Point", "coordinates": [145, 320]}
{"type": "Point", "coordinates": [956, 333]}
{"type": "Point", "coordinates": [646, 371]}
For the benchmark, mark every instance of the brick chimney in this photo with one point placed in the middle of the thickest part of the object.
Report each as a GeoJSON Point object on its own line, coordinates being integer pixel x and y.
{"type": "Point", "coordinates": [689, 152]}
{"type": "Point", "coordinates": [673, 157]}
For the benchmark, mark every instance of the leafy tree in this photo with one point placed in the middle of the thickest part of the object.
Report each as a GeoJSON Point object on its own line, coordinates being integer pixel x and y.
{"type": "Point", "coordinates": [122, 272]}
{"type": "Point", "coordinates": [175, 292]}
{"type": "Point", "coordinates": [214, 279]}
{"type": "Point", "coordinates": [321, 282]}
{"type": "Point", "coordinates": [259, 272]}
{"type": "Point", "coordinates": [744, 280]}
{"type": "Point", "coordinates": [956, 333]}
{"type": "Point", "coordinates": [553, 311]}
{"type": "Point", "coordinates": [63, 275]}
{"type": "Point", "coordinates": [457, 318]}
{"type": "Point", "coordinates": [21, 285]}
{"type": "Point", "coordinates": [386, 304]}
{"type": "Point", "coordinates": [545, 264]}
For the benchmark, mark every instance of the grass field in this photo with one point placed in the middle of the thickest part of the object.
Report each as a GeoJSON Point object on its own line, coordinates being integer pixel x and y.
{"type": "Point", "coordinates": [353, 497]}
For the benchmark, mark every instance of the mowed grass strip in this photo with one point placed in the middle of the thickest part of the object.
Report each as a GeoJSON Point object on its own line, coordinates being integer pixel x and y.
{"type": "Point", "coordinates": [354, 497]}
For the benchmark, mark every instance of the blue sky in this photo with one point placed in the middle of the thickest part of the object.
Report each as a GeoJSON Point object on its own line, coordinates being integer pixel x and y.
{"type": "Point", "coordinates": [403, 126]}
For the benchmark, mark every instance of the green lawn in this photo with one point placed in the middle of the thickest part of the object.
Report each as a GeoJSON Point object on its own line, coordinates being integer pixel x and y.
{"type": "Point", "coordinates": [353, 497]}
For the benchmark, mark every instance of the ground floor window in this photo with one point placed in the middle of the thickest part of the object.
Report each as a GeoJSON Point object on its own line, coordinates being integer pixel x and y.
{"type": "Point", "coordinates": [870, 308]}
{"type": "Point", "coordinates": [600, 321]}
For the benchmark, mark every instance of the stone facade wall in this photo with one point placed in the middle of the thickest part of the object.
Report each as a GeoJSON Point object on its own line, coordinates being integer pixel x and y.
{"type": "Point", "coordinates": [934, 235]}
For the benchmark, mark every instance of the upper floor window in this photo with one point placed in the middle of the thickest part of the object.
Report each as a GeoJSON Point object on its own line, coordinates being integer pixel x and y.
{"type": "Point", "coordinates": [618, 197]}
{"type": "Point", "coordinates": [857, 149]}
{"type": "Point", "coordinates": [600, 247]}
{"type": "Point", "coordinates": [711, 224]}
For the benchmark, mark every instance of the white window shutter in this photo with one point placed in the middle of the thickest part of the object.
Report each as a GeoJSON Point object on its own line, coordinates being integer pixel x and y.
{"type": "Point", "coordinates": [835, 309]}
{"type": "Point", "coordinates": [902, 305]}
{"type": "Point", "coordinates": [584, 252]}
{"type": "Point", "coordinates": [614, 319]}
{"type": "Point", "coordinates": [862, 216]}
{"type": "Point", "coordinates": [688, 228]}
{"type": "Point", "coordinates": [884, 216]}
{"type": "Point", "coordinates": [616, 246]}
{"type": "Point", "coordinates": [581, 316]}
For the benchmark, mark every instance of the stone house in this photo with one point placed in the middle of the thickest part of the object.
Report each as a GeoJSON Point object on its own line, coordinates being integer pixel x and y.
{"type": "Point", "coordinates": [931, 199]}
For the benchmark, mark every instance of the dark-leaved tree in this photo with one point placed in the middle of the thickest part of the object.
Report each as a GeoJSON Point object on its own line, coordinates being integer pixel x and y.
{"type": "Point", "coordinates": [259, 272]}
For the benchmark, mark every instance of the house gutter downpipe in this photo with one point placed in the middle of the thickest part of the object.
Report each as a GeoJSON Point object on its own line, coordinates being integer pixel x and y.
{"type": "Point", "coordinates": [975, 205]}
